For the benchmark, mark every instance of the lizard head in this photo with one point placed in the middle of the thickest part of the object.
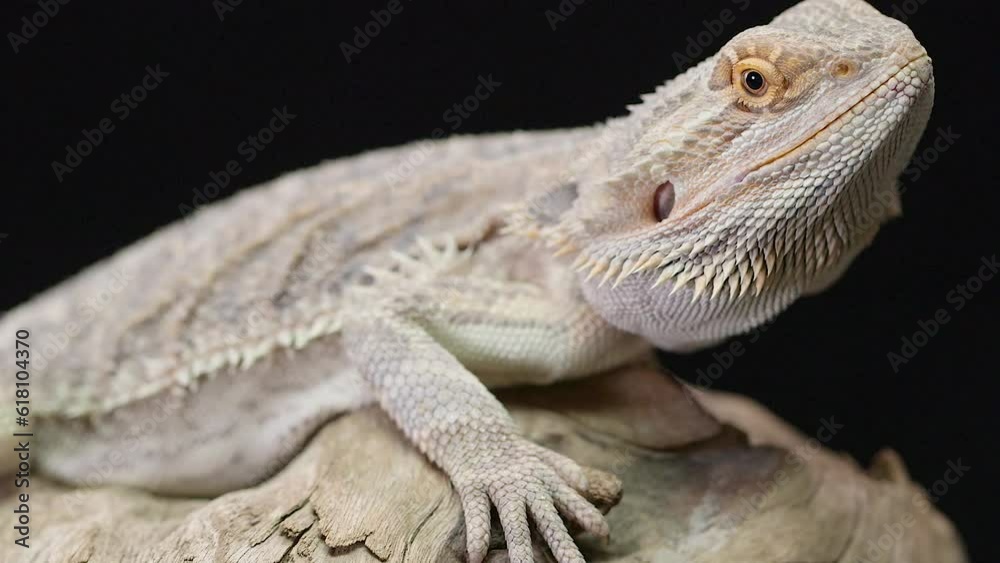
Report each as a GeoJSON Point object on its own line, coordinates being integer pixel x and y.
{"type": "Point", "coordinates": [749, 180]}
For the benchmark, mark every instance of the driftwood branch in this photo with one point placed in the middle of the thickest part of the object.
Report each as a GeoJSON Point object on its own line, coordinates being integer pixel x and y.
{"type": "Point", "coordinates": [705, 478]}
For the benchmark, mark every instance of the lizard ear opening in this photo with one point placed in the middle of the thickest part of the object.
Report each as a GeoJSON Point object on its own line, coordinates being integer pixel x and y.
{"type": "Point", "coordinates": [663, 200]}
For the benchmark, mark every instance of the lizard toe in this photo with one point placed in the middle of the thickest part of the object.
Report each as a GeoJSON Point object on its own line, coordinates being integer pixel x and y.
{"type": "Point", "coordinates": [514, 520]}
{"type": "Point", "coordinates": [570, 471]}
{"type": "Point", "coordinates": [476, 508]}
{"type": "Point", "coordinates": [551, 527]}
{"type": "Point", "coordinates": [579, 510]}
{"type": "Point", "coordinates": [524, 481]}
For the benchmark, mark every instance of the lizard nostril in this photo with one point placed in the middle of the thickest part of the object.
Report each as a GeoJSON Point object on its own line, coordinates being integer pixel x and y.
{"type": "Point", "coordinates": [843, 68]}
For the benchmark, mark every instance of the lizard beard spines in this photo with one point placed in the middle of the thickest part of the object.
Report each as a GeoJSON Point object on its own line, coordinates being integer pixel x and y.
{"type": "Point", "coordinates": [712, 267]}
{"type": "Point", "coordinates": [729, 257]}
{"type": "Point", "coordinates": [708, 275]}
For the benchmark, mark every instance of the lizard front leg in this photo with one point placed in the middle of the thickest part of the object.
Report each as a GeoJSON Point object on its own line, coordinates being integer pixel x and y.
{"type": "Point", "coordinates": [414, 348]}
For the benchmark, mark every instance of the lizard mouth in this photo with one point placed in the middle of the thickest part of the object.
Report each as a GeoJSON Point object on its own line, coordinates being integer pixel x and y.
{"type": "Point", "coordinates": [833, 118]}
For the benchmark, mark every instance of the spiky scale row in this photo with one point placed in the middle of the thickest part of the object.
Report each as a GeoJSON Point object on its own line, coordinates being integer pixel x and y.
{"type": "Point", "coordinates": [242, 355]}
{"type": "Point", "coordinates": [742, 252]}
{"type": "Point", "coordinates": [709, 274]}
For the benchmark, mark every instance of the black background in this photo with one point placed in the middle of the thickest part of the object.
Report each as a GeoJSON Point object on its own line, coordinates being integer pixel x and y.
{"type": "Point", "coordinates": [827, 356]}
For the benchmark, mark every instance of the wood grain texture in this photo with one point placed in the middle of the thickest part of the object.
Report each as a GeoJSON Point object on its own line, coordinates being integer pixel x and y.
{"type": "Point", "coordinates": [696, 487]}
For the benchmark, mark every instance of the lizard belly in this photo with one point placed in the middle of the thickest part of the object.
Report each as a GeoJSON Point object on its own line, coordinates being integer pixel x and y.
{"type": "Point", "coordinates": [236, 430]}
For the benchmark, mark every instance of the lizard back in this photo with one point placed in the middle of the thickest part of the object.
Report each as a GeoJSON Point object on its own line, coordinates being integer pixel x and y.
{"type": "Point", "coordinates": [264, 270]}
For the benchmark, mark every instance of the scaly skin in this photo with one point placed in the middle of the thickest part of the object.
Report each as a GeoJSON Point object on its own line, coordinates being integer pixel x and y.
{"type": "Point", "coordinates": [366, 280]}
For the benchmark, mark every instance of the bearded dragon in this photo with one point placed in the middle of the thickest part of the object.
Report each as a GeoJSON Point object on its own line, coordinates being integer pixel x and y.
{"type": "Point", "coordinates": [419, 277]}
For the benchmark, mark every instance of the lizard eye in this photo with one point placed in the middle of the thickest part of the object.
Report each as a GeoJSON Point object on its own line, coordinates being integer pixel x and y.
{"type": "Point", "coordinates": [754, 82]}
{"type": "Point", "coordinates": [757, 83]}
{"type": "Point", "coordinates": [663, 200]}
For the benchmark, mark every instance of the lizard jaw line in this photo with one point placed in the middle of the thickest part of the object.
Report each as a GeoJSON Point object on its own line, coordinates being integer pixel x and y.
{"type": "Point", "coordinates": [830, 120]}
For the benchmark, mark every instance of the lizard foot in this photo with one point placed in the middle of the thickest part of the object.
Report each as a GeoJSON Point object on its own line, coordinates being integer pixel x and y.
{"type": "Point", "coordinates": [521, 478]}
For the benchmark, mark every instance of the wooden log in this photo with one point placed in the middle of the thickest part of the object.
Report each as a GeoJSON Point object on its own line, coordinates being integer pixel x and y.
{"type": "Point", "coordinates": [705, 478]}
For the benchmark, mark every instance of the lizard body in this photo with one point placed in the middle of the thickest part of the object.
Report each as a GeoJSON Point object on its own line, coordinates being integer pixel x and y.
{"type": "Point", "coordinates": [731, 191]}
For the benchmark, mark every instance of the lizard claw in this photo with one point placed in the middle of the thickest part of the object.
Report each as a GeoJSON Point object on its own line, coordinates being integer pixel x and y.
{"type": "Point", "coordinates": [524, 480]}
